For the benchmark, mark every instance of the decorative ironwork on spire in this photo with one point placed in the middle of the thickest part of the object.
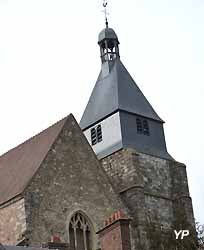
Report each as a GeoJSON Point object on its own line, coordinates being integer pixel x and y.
{"type": "Point", "coordinates": [105, 3]}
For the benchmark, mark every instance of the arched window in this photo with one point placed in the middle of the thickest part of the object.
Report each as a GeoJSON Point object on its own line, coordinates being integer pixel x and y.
{"type": "Point", "coordinates": [80, 233]}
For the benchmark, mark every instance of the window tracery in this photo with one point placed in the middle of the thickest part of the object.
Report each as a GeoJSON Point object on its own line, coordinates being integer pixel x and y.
{"type": "Point", "coordinates": [79, 233]}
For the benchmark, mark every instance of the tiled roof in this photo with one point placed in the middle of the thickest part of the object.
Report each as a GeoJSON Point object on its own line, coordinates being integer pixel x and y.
{"type": "Point", "coordinates": [19, 165]}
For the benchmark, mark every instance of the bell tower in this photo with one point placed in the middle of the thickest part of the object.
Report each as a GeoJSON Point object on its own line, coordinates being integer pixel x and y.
{"type": "Point", "coordinates": [128, 138]}
{"type": "Point", "coordinates": [118, 115]}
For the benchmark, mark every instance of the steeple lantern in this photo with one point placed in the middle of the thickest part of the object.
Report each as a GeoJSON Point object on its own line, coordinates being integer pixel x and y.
{"type": "Point", "coordinates": [108, 42]}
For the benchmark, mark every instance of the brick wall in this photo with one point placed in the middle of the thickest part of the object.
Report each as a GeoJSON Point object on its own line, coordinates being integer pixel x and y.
{"type": "Point", "coordinates": [12, 222]}
{"type": "Point", "coordinates": [115, 234]}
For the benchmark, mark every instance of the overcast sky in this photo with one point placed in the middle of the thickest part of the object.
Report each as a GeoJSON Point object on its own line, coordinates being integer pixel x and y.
{"type": "Point", "coordinates": [49, 62]}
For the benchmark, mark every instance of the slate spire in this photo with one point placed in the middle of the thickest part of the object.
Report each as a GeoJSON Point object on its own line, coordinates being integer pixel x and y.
{"type": "Point", "coordinates": [115, 89]}
{"type": "Point", "coordinates": [118, 115]}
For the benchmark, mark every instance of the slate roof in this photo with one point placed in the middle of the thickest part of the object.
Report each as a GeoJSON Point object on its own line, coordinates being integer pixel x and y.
{"type": "Point", "coordinates": [18, 165]}
{"type": "Point", "coordinates": [107, 33]}
{"type": "Point", "coordinates": [117, 91]}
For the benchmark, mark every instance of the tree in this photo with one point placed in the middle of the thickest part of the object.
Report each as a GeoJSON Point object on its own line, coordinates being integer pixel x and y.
{"type": "Point", "coordinates": [200, 235]}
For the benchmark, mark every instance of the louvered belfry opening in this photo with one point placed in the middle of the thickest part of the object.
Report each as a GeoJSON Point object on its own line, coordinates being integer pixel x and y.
{"type": "Point", "coordinates": [96, 135]}
{"type": "Point", "coordinates": [79, 233]}
{"type": "Point", "coordinates": [142, 126]}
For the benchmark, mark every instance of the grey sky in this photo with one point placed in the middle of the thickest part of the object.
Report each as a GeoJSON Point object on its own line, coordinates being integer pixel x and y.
{"type": "Point", "coordinates": [49, 62]}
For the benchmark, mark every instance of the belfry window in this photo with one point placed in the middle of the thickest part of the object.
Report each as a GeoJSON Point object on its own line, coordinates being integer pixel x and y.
{"type": "Point", "coordinates": [99, 133]}
{"type": "Point", "coordinates": [142, 126]}
{"type": "Point", "coordinates": [93, 136]}
{"type": "Point", "coordinates": [139, 125]}
{"type": "Point", "coordinates": [79, 233]}
{"type": "Point", "coordinates": [145, 127]}
{"type": "Point", "coordinates": [96, 135]}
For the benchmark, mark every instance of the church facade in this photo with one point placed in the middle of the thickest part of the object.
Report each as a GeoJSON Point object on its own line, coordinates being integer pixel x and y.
{"type": "Point", "coordinates": [69, 178]}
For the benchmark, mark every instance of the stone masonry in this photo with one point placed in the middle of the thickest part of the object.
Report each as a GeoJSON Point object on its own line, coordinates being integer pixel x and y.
{"type": "Point", "coordinates": [151, 191]}
{"type": "Point", "coordinates": [69, 179]}
{"type": "Point", "coordinates": [152, 188]}
{"type": "Point", "coordinates": [12, 222]}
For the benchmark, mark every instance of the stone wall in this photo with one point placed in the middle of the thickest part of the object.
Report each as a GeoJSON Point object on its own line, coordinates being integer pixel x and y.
{"type": "Point", "coordinates": [183, 210]}
{"type": "Point", "coordinates": [70, 179]}
{"type": "Point", "coordinates": [121, 169]}
{"type": "Point", "coordinates": [154, 190]}
{"type": "Point", "coordinates": [12, 222]}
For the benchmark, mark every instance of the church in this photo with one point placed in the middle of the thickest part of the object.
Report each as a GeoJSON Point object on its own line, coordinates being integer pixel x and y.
{"type": "Point", "coordinates": [69, 178]}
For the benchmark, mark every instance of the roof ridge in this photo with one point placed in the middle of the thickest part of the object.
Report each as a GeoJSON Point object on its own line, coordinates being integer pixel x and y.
{"type": "Point", "coordinates": [32, 137]}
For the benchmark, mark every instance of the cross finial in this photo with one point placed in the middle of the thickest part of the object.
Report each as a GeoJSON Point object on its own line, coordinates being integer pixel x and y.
{"type": "Point", "coordinates": [105, 3]}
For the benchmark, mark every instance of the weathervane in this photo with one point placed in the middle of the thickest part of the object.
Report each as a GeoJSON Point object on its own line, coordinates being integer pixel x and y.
{"type": "Point", "coordinates": [105, 3]}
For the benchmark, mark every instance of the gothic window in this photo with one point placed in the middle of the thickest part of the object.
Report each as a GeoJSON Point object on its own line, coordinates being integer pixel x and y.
{"type": "Point", "coordinates": [96, 135]}
{"type": "Point", "coordinates": [79, 233]}
{"type": "Point", "coordinates": [142, 126]}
